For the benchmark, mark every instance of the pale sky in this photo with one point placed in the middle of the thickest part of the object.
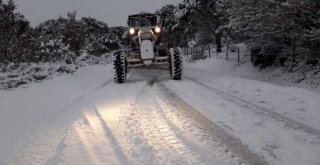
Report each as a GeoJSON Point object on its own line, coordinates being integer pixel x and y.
{"type": "Point", "coordinates": [113, 12]}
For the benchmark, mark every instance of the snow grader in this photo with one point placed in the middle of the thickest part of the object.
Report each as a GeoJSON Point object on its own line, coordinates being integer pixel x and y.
{"type": "Point", "coordinates": [146, 49]}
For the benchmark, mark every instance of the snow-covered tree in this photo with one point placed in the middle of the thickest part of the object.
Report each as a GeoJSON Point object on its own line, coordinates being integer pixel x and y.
{"type": "Point", "coordinates": [99, 38]}
{"type": "Point", "coordinates": [292, 24]}
{"type": "Point", "coordinates": [51, 40]}
{"type": "Point", "coordinates": [13, 27]}
{"type": "Point", "coordinates": [72, 32]}
{"type": "Point", "coordinates": [75, 37]}
{"type": "Point", "coordinates": [211, 16]}
{"type": "Point", "coordinates": [95, 36]}
{"type": "Point", "coordinates": [173, 31]}
{"type": "Point", "coordinates": [167, 14]}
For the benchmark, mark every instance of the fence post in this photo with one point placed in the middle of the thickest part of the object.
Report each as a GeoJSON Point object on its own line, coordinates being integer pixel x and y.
{"type": "Point", "coordinates": [202, 51]}
{"type": "Point", "coordinates": [187, 52]}
{"type": "Point", "coordinates": [209, 51]}
{"type": "Point", "coordinates": [196, 47]}
{"type": "Point", "coordinates": [238, 55]}
{"type": "Point", "coordinates": [227, 54]}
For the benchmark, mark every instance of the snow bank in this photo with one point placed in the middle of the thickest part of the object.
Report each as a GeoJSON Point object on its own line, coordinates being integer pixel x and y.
{"type": "Point", "coordinates": [301, 75]}
{"type": "Point", "coordinates": [24, 73]}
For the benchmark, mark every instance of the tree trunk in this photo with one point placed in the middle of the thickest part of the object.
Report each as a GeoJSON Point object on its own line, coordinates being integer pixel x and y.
{"type": "Point", "coordinates": [218, 42]}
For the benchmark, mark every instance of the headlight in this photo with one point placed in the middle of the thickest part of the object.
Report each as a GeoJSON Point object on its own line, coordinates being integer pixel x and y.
{"type": "Point", "coordinates": [158, 29]}
{"type": "Point", "coordinates": [131, 31]}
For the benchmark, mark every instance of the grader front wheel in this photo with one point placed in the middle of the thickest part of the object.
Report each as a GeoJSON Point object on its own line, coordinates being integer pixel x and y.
{"type": "Point", "coordinates": [175, 64]}
{"type": "Point", "coordinates": [119, 66]}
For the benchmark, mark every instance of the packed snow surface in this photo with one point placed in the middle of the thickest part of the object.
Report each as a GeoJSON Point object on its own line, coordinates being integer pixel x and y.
{"type": "Point", "coordinates": [209, 117]}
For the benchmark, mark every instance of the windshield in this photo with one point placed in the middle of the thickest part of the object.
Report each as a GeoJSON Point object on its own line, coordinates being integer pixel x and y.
{"type": "Point", "coordinates": [142, 20]}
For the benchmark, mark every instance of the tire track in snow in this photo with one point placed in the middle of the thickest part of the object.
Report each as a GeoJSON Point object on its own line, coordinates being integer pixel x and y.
{"type": "Point", "coordinates": [79, 97]}
{"type": "Point", "coordinates": [41, 139]}
{"type": "Point", "coordinates": [114, 143]}
{"type": "Point", "coordinates": [288, 122]}
{"type": "Point", "coordinates": [54, 160]}
{"type": "Point", "coordinates": [154, 140]}
{"type": "Point", "coordinates": [208, 127]}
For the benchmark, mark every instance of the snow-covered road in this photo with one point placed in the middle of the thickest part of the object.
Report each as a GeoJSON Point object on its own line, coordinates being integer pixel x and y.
{"type": "Point", "coordinates": [207, 118]}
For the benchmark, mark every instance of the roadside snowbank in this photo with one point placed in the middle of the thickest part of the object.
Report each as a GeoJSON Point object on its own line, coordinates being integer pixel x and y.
{"type": "Point", "coordinates": [302, 76]}
{"type": "Point", "coordinates": [23, 73]}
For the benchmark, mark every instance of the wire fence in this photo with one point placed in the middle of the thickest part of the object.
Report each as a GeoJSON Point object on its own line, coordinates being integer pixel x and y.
{"type": "Point", "coordinates": [232, 48]}
{"type": "Point", "coordinates": [198, 52]}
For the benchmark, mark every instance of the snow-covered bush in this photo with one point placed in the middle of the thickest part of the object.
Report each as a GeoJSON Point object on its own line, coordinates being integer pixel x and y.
{"type": "Point", "coordinates": [24, 73]}
{"type": "Point", "coordinates": [86, 58]}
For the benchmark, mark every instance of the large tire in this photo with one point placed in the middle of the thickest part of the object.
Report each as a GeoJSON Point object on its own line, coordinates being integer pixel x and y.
{"type": "Point", "coordinates": [176, 64]}
{"type": "Point", "coordinates": [119, 66]}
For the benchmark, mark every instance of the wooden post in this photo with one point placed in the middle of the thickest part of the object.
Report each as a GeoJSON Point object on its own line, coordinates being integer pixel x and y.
{"type": "Point", "coordinates": [238, 55]}
{"type": "Point", "coordinates": [187, 52]}
{"type": "Point", "coordinates": [227, 54]}
{"type": "Point", "coordinates": [209, 51]}
{"type": "Point", "coordinates": [196, 50]}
